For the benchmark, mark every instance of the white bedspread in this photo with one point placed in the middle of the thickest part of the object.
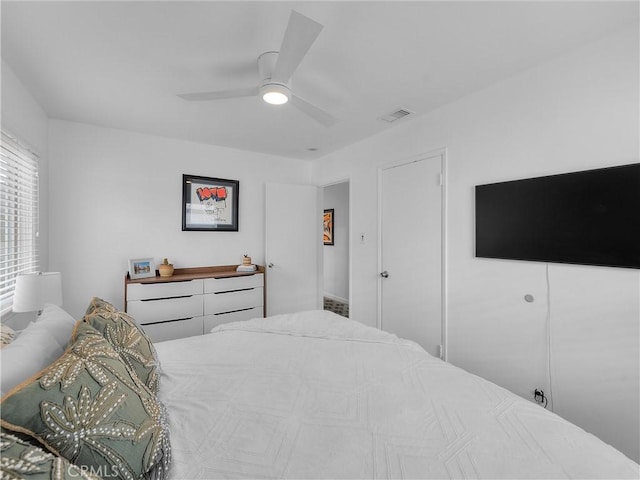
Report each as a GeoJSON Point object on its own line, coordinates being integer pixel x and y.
{"type": "Point", "coordinates": [314, 395]}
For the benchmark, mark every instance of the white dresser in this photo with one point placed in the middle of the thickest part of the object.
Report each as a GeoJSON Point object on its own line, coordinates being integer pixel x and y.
{"type": "Point", "coordinates": [194, 300]}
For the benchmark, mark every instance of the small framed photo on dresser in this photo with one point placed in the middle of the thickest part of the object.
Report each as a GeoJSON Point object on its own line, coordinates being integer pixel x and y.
{"type": "Point", "coordinates": [141, 268]}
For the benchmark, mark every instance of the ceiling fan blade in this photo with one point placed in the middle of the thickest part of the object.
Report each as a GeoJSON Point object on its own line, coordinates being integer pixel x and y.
{"type": "Point", "coordinates": [314, 112]}
{"type": "Point", "coordinates": [300, 34]}
{"type": "Point", "coordinates": [239, 92]}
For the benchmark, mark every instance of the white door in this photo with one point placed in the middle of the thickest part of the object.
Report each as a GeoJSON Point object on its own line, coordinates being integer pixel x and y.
{"type": "Point", "coordinates": [293, 240]}
{"type": "Point", "coordinates": [411, 251]}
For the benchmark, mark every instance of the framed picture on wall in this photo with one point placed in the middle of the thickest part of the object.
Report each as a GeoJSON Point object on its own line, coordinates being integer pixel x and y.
{"type": "Point", "coordinates": [141, 268]}
{"type": "Point", "coordinates": [327, 227]}
{"type": "Point", "coordinates": [209, 204]}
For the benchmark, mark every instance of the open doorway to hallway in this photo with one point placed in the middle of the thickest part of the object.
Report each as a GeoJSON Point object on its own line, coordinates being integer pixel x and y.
{"type": "Point", "coordinates": [336, 248]}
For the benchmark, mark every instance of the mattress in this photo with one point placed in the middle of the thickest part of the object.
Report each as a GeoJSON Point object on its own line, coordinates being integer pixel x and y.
{"type": "Point", "coordinates": [315, 395]}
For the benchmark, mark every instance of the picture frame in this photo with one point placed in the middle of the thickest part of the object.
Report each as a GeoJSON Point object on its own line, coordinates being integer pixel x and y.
{"type": "Point", "coordinates": [327, 227]}
{"type": "Point", "coordinates": [142, 268]}
{"type": "Point", "coordinates": [210, 204]}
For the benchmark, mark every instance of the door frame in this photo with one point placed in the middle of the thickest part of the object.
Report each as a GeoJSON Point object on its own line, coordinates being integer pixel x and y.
{"type": "Point", "coordinates": [442, 153]}
{"type": "Point", "coordinates": [321, 267]}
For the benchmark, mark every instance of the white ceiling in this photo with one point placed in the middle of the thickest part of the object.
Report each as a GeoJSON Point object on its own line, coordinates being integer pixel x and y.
{"type": "Point", "coordinates": [120, 64]}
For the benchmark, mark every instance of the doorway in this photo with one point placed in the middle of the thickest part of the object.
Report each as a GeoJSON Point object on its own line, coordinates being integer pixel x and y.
{"type": "Point", "coordinates": [336, 248]}
{"type": "Point", "coordinates": [412, 282]}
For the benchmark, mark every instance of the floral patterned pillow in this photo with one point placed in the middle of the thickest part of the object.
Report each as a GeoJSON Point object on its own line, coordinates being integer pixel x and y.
{"type": "Point", "coordinates": [22, 460]}
{"type": "Point", "coordinates": [88, 407]}
{"type": "Point", "coordinates": [7, 335]}
{"type": "Point", "coordinates": [98, 303]}
{"type": "Point", "coordinates": [127, 338]}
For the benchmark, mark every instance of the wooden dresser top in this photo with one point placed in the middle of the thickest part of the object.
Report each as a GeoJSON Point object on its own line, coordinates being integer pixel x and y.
{"type": "Point", "coordinates": [193, 273]}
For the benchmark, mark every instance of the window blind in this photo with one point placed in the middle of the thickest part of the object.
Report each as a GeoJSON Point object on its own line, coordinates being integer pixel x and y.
{"type": "Point", "coordinates": [18, 216]}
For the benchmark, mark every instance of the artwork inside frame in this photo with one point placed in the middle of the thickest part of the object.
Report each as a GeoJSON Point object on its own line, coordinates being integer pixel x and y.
{"type": "Point", "coordinates": [327, 227]}
{"type": "Point", "coordinates": [209, 204]}
{"type": "Point", "coordinates": [142, 268]}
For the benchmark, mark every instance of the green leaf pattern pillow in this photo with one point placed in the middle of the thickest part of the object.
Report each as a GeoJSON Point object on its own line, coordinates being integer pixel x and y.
{"type": "Point", "coordinates": [127, 339]}
{"type": "Point", "coordinates": [93, 411]}
{"type": "Point", "coordinates": [21, 460]}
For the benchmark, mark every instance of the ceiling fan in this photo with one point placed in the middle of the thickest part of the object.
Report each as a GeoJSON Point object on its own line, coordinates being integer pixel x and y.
{"type": "Point", "coordinates": [276, 70]}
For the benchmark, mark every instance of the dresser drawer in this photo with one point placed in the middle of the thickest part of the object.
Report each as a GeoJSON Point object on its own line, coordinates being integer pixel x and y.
{"type": "Point", "coordinates": [222, 302]}
{"type": "Point", "coordinates": [149, 311]}
{"type": "Point", "coordinates": [211, 321]}
{"type": "Point", "coordinates": [144, 291]}
{"type": "Point", "coordinates": [225, 284]}
{"type": "Point", "coordinates": [159, 332]}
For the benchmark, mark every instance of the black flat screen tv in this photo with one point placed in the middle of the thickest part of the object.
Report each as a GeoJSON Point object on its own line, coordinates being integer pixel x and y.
{"type": "Point", "coordinates": [590, 218]}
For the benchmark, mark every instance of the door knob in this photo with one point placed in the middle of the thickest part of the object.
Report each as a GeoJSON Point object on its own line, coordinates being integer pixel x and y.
{"type": "Point", "coordinates": [384, 274]}
{"type": "Point", "coordinates": [270, 265]}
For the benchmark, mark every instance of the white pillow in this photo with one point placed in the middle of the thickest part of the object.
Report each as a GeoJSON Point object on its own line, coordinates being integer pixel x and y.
{"type": "Point", "coordinates": [58, 323]}
{"type": "Point", "coordinates": [37, 346]}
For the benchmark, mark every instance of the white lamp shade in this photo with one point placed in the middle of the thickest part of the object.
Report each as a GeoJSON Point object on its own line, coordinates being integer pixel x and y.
{"type": "Point", "coordinates": [34, 290]}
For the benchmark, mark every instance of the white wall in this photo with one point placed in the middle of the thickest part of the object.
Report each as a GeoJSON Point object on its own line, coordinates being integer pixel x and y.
{"type": "Point", "coordinates": [579, 111]}
{"type": "Point", "coordinates": [23, 117]}
{"type": "Point", "coordinates": [336, 256]}
{"type": "Point", "coordinates": [116, 195]}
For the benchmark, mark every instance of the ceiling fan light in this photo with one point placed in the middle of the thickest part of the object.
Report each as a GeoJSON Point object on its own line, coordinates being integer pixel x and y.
{"type": "Point", "coordinates": [275, 98]}
{"type": "Point", "coordinates": [275, 94]}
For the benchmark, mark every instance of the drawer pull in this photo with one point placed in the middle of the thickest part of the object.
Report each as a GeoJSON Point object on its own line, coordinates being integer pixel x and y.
{"type": "Point", "coordinates": [233, 311]}
{"type": "Point", "coordinates": [147, 284]}
{"type": "Point", "coordinates": [231, 291]}
{"type": "Point", "coordinates": [167, 321]}
{"type": "Point", "coordinates": [164, 298]}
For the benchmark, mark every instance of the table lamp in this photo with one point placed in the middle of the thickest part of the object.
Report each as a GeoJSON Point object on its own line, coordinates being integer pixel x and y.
{"type": "Point", "coordinates": [34, 290]}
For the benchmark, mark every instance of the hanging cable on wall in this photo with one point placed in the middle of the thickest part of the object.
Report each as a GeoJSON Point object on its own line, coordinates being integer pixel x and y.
{"type": "Point", "coordinates": [546, 398]}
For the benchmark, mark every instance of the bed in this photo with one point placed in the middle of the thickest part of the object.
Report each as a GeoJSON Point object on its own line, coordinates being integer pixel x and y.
{"type": "Point", "coordinates": [314, 395]}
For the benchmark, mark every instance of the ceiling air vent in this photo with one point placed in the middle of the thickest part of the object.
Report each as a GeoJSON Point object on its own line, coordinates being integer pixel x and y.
{"type": "Point", "coordinates": [397, 115]}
